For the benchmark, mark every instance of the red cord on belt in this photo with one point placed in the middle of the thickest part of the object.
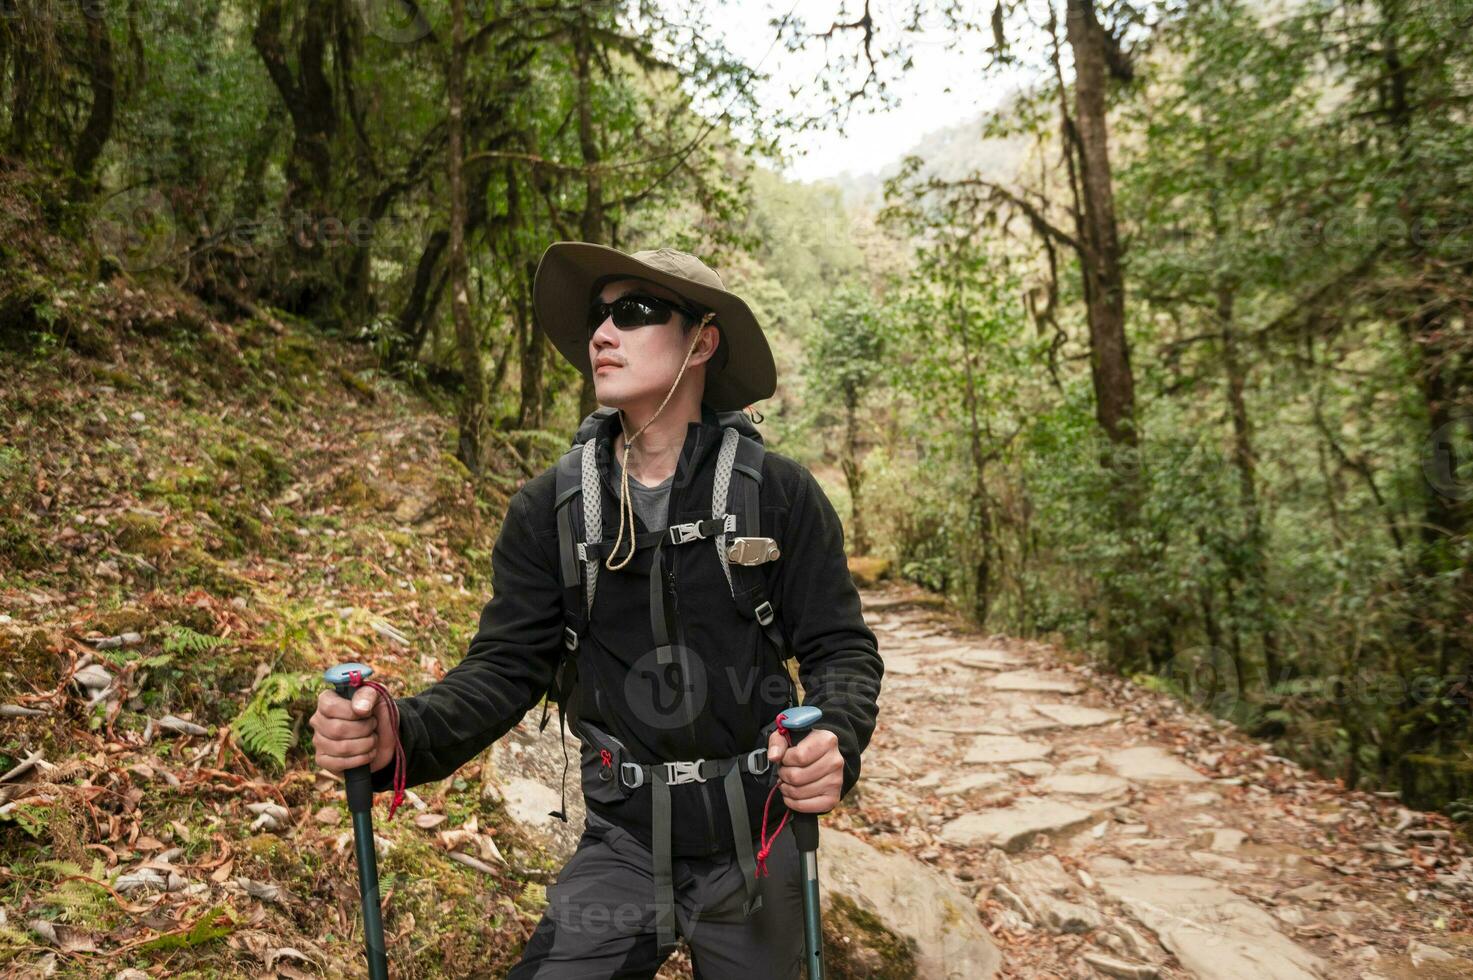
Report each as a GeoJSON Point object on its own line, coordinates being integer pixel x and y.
{"type": "Point", "coordinates": [355, 679]}
{"type": "Point", "coordinates": [767, 842]}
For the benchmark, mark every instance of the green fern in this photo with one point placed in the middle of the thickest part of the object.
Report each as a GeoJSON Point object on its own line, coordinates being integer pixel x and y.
{"type": "Point", "coordinates": [182, 639]}
{"type": "Point", "coordinates": [79, 902]}
{"type": "Point", "coordinates": [265, 725]}
{"type": "Point", "coordinates": [265, 731]}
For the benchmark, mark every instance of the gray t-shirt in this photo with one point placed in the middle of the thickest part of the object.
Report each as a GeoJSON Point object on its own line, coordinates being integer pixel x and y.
{"type": "Point", "coordinates": [652, 504]}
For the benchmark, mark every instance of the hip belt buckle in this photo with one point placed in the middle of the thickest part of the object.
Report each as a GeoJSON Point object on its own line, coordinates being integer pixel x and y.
{"type": "Point", "coordinates": [677, 773]}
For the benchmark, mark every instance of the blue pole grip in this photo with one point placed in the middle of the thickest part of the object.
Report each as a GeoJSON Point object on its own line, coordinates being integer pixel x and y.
{"type": "Point", "coordinates": [799, 722]}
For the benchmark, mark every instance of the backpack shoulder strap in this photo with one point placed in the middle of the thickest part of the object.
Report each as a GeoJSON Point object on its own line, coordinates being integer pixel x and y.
{"type": "Point", "coordinates": [737, 489]}
{"type": "Point", "coordinates": [572, 507]}
{"type": "Point", "coordinates": [576, 510]}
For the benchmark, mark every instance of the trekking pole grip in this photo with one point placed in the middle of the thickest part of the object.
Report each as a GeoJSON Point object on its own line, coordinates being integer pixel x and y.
{"type": "Point", "coordinates": [798, 722]}
{"type": "Point", "coordinates": [360, 778]}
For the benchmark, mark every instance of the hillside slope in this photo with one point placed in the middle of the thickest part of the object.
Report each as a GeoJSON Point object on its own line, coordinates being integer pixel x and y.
{"type": "Point", "coordinates": [238, 506]}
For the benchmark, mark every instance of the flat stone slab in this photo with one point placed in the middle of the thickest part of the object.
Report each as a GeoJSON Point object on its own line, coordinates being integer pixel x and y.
{"type": "Point", "coordinates": [1012, 827]}
{"type": "Point", "coordinates": [911, 900]}
{"type": "Point", "coordinates": [1076, 715]}
{"type": "Point", "coordinates": [1032, 680]}
{"type": "Point", "coordinates": [1152, 764]}
{"type": "Point", "coordinates": [902, 665]}
{"type": "Point", "coordinates": [1080, 763]}
{"type": "Point", "coordinates": [1032, 767]}
{"type": "Point", "coordinates": [976, 781]}
{"type": "Point", "coordinates": [1052, 897]}
{"type": "Point", "coordinates": [1216, 933]}
{"type": "Point", "coordinates": [1083, 784]}
{"type": "Point", "coordinates": [997, 749]}
{"type": "Point", "coordinates": [985, 659]}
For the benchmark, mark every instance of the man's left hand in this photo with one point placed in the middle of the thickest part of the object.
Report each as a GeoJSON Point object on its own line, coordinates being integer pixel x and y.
{"type": "Point", "coordinates": [811, 773]}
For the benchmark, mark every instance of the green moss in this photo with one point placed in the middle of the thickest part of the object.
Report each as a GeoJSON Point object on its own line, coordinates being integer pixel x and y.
{"type": "Point", "coordinates": [356, 385]}
{"type": "Point", "coordinates": [24, 549]}
{"type": "Point", "coordinates": [186, 481]}
{"type": "Point", "coordinates": [858, 944]}
{"type": "Point", "coordinates": [350, 490]}
{"type": "Point", "coordinates": [138, 533]}
{"type": "Point", "coordinates": [273, 473]}
{"type": "Point", "coordinates": [297, 357]}
{"type": "Point", "coordinates": [123, 620]}
{"type": "Point", "coordinates": [120, 380]}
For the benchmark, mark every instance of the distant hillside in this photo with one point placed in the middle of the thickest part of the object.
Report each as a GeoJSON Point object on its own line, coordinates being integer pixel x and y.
{"type": "Point", "coordinates": [951, 153]}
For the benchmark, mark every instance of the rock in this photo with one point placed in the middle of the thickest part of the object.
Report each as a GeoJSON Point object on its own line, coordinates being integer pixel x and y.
{"type": "Point", "coordinates": [1215, 933]}
{"type": "Point", "coordinates": [1223, 840]}
{"type": "Point", "coordinates": [129, 639]}
{"type": "Point", "coordinates": [1083, 784]}
{"type": "Point", "coordinates": [1032, 680]}
{"type": "Point", "coordinates": [911, 901]}
{"type": "Point", "coordinates": [1222, 862]}
{"type": "Point", "coordinates": [985, 659]}
{"type": "Point", "coordinates": [994, 749]}
{"type": "Point", "coordinates": [976, 781]}
{"type": "Point", "coordinates": [1424, 956]}
{"type": "Point", "coordinates": [1289, 915]}
{"type": "Point", "coordinates": [1076, 715]}
{"type": "Point", "coordinates": [1012, 827]}
{"type": "Point", "coordinates": [1047, 896]}
{"type": "Point", "coordinates": [530, 802]}
{"type": "Point", "coordinates": [1119, 968]}
{"type": "Point", "coordinates": [1205, 798]}
{"type": "Point", "coordinates": [905, 666]}
{"type": "Point", "coordinates": [1032, 768]}
{"type": "Point", "coordinates": [1080, 763]}
{"type": "Point", "coordinates": [1152, 764]}
{"type": "Point", "coordinates": [1314, 892]}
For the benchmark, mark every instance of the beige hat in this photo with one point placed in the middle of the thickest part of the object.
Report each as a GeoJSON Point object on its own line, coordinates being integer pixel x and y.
{"type": "Point", "coordinates": [569, 273]}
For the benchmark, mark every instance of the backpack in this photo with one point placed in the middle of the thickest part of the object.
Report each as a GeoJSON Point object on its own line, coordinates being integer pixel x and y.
{"type": "Point", "coordinates": [736, 534]}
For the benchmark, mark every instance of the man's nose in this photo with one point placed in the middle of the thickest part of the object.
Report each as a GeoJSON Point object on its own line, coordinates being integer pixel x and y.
{"type": "Point", "coordinates": [606, 335]}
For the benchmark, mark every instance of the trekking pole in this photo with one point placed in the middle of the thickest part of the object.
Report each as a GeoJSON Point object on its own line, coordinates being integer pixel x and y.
{"type": "Point", "coordinates": [346, 677]}
{"type": "Point", "coordinates": [799, 722]}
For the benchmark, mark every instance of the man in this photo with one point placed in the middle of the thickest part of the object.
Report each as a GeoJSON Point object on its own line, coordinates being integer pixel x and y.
{"type": "Point", "coordinates": [669, 348]}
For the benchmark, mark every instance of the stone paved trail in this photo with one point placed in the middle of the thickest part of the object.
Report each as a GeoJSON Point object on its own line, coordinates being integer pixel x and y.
{"type": "Point", "coordinates": [1022, 816]}
{"type": "Point", "coordinates": [1098, 829]}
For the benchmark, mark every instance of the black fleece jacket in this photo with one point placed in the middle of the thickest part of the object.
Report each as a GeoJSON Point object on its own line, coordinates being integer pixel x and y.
{"type": "Point", "coordinates": [733, 669]}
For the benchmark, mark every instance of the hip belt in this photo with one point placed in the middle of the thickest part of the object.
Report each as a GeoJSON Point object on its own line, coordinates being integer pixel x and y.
{"type": "Point", "coordinates": [614, 764]}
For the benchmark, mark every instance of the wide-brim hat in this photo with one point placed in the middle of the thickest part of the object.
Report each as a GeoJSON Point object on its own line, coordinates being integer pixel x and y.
{"type": "Point", "coordinates": [570, 272]}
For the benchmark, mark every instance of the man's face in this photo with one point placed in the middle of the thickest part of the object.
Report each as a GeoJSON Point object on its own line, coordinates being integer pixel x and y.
{"type": "Point", "coordinates": [640, 364]}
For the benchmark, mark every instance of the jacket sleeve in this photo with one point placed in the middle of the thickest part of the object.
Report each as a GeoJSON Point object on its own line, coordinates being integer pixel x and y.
{"type": "Point", "coordinates": [507, 667]}
{"type": "Point", "coordinates": [838, 657]}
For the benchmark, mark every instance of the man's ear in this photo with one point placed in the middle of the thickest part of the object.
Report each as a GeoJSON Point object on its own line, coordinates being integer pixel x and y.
{"type": "Point", "coordinates": [718, 342]}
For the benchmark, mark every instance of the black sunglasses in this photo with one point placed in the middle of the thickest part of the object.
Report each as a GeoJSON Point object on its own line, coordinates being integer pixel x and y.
{"type": "Point", "coordinates": [634, 310]}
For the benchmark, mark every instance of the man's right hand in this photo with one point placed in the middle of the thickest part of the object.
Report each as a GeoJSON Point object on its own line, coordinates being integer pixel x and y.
{"type": "Point", "coordinates": [352, 733]}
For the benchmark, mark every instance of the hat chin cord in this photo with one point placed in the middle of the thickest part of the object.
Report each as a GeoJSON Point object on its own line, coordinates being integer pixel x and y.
{"type": "Point", "coordinates": [626, 503]}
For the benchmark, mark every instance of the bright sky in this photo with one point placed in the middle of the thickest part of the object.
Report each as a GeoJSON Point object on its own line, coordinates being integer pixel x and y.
{"type": "Point", "coordinates": [871, 140]}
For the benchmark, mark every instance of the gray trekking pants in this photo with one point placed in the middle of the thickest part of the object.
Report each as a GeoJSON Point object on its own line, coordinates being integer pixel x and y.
{"type": "Point", "coordinates": [600, 917]}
